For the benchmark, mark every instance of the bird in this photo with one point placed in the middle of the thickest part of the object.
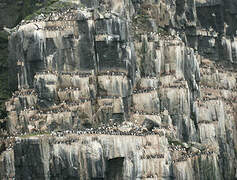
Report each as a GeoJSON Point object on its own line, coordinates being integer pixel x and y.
{"type": "Point", "coordinates": [8, 30]}
{"type": "Point", "coordinates": [37, 27]}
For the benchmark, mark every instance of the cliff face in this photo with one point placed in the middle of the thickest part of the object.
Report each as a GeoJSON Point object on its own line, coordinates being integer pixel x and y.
{"type": "Point", "coordinates": [109, 157]}
{"type": "Point", "coordinates": [123, 90]}
{"type": "Point", "coordinates": [12, 12]}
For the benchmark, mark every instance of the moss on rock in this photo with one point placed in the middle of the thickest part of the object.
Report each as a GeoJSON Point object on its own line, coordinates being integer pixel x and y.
{"type": "Point", "coordinates": [50, 6]}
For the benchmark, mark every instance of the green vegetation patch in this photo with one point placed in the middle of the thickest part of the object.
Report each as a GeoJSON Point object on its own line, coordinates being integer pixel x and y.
{"type": "Point", "coordinates": [162, 31]}
{"type": "Point", "coordinates": [51, 6]}
{"type": "Point", "coordinates": [175, 142]}
{"type": "Point", "coordinates": [34, 134]}
{"type": "Point", "coordinates": [30, 7]}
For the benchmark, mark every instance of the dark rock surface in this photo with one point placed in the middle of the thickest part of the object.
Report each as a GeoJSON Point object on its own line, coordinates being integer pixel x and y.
{"type": "Point", "coordinates": [121, 89]}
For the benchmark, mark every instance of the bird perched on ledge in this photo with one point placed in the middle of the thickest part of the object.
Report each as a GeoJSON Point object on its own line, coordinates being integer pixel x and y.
{"type": "Point", "coordinates": [8, 30]}
{"type": "Point", "coordinates": [37, 27]}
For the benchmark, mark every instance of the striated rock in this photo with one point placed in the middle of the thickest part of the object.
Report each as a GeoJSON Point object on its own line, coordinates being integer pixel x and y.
{"type": "Point", "coordinates": [106, 157]}
{"type": "Point", "coordinates": [7, 167]}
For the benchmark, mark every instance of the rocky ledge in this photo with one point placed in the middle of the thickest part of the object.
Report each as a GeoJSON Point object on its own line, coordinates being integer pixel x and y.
{"type": "Point", "coordinates": [104, 156]}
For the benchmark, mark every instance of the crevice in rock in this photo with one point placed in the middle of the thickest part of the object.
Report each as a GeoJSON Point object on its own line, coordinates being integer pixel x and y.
{"type": "Point", "coordinates": [114, 170]}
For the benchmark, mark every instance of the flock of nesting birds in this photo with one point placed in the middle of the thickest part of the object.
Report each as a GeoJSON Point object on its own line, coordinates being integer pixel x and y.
{"type": "Point", "coordinates": [144, 112]}
{"type": "Point", "coordinates": [133, 129]}
{"type": "Point", "coordinates": [62, 14]}
{"type": "Point", "coordinates": [68, 15]}
{"type": "Point", "coordinates": [137, 130]}
{"type": "Point", "coordinates": [86, 74]}
{"type": "Point", "coordinates": [186, 153]}
{"type": "Point", "coordinates": [114, 130]}
{"type": "Point", "coordinates": [107, 130]}
{"type": "Point", "coordinates": [206, 71]}
{"type": "Point", "coordinates": [72, 136]}
{"type": "Point", "coordinates": [25, 92]}
{"type": "Point", "coordinates": [69, 137]}
{"type": "Point", "coordinates": [152, 156]}
{"type": "Point", "coordinates": [144, 90]}
{"type": "Point", "coordinates": [61, 73]}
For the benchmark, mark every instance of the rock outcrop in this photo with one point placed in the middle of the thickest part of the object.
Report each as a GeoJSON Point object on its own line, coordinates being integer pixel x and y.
{"type": "Point", "coordinates": [123, 90]}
